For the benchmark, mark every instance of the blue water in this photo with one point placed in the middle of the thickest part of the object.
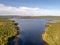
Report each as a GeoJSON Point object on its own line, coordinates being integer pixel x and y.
{"type": "Point", "coordinates": [31, 30]}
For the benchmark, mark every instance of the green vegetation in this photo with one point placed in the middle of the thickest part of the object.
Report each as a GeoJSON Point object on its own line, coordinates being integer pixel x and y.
{"type": "Point", "coordinates": [52, 34]}
{"type": "Point", "coordinates": [7, 30]}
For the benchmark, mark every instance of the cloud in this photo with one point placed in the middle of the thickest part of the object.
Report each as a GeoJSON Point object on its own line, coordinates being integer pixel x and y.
{"type": "Point", "coordinates": [27, 11]}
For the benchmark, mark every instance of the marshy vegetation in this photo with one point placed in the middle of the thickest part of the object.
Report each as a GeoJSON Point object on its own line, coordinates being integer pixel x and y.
{"type": "Point", "coordinates": [8, 28]}
{"type": "Point", "coordinates": [52, 34]}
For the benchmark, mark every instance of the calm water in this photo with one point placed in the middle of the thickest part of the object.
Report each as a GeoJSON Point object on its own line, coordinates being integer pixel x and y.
{"type": "Point", "coordinates": [31, 30]}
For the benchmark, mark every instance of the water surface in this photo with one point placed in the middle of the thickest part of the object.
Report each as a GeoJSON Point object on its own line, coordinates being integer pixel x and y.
{"type": "Point", "coordinates": [31, 30]}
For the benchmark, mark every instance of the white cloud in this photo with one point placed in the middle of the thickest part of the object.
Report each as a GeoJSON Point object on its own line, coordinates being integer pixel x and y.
{"type": "Point", "coordinates": [27, 11]}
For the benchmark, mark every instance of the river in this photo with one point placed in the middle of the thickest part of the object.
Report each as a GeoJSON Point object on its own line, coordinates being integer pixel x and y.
{"type": "Point", "coordinates": [31, 30]}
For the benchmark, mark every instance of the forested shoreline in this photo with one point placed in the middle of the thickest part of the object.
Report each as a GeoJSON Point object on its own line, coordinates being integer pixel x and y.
{"type": "Point", "coordinates": [8, 29]}
{"type": "Point", "coordinates": [52, 34]}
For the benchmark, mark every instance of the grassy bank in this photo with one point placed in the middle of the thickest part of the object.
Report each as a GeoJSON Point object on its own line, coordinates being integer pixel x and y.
{"type": "Point", "coordinates": [52, 34]}
{"type": "Point", "coordinates": [8, 28]}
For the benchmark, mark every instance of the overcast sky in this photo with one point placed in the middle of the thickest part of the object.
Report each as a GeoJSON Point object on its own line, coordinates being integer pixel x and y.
{"type": "Point", "coordinates": [30, 7]}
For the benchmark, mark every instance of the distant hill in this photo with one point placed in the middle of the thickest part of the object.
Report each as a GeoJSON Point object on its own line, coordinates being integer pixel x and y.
{"type": "Point", "coordinates": [25, 17]}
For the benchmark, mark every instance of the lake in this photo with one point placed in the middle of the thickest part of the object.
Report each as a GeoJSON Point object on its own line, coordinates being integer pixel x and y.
{"type": "Point", "coordinates": [31, 30]}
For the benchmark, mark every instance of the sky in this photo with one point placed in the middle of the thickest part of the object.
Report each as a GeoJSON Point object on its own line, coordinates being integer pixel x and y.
{"type": "Point", "coordinates": [30, 7]}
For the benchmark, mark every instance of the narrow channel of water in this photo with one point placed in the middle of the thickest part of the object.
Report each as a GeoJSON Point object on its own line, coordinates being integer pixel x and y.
{"type": "Point", "coordinates": [31, 31]}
